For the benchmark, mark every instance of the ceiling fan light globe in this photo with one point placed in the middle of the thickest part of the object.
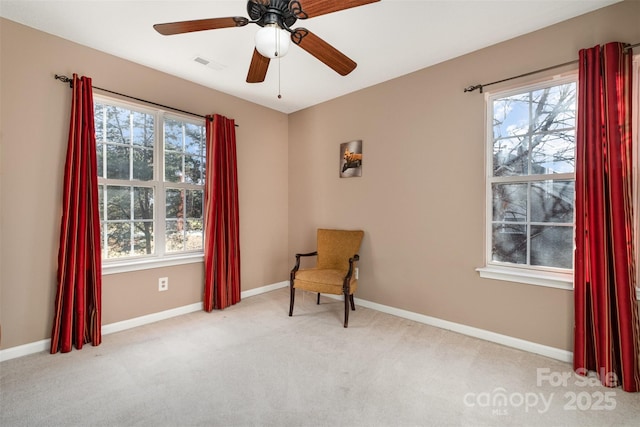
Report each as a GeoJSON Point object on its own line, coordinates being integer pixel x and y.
{"type": "Point", "coordinates": [272, 41]}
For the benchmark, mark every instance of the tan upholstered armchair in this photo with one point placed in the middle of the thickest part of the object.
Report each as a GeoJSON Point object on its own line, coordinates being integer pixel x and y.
{"type": "Point", "coordinates": [334, 273]}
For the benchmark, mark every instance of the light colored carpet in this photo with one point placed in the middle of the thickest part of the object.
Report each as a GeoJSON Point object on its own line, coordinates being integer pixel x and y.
{"type": "Point", "coordinates": [252, 365]}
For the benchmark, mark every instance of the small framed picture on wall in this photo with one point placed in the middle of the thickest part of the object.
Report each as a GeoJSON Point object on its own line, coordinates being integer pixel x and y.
{"type": "Point", "coordinates": [351, 159]}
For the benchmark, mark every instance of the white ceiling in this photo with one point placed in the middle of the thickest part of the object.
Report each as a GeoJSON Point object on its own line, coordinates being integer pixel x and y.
{"type": "Point", "coordinates": [387, 39]}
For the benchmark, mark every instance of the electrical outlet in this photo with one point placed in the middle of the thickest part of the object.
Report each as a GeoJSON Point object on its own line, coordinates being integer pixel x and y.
{"type": "Point", "coordinates": [163, 284]}
{"type": "Point", "coordinates": [356, 273]}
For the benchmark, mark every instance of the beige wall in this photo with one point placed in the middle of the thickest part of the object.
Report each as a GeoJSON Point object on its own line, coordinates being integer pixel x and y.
{"type": "Point", "coordinates": [421, 197]}
{"type": "Point", "coordinates": [33, 127]}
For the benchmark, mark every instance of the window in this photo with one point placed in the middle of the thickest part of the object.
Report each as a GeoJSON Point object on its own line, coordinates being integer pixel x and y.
{"type": "Point", "coordinates": [150, 183]}
{"type": "Point", "coordinates": [530, 184]}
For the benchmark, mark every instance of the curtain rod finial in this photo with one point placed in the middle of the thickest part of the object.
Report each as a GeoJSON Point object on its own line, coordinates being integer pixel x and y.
{"type": "Point", "coordinates": [64, 79]}
{"type": "Point", "coordinates": [472, 88]}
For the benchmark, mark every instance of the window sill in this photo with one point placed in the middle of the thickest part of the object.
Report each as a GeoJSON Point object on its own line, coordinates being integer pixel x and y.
{"type": "Point", "coordinates": [114, 267]}
{"type": "Point", "coordinates": [552, 280]}
{"type": "Point", "coordinates": [538, 278]}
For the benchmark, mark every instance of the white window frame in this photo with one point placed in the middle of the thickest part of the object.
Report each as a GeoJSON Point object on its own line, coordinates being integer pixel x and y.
{"type": "Point", "coordinates": [160, 258]}
{"type": "Point", "coordinates": [540, 276]}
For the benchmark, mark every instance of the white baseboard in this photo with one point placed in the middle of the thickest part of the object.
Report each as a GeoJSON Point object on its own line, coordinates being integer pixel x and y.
{"type": "Point", "coordinates": [45, 345]}
{"type": "Point", "coordinates": [552, 352]}
{"type": "Point", "coordinates": [263, 289]}
{"type": "Point", "coordinates": [150, 318]}
{"type": "Point", "coordinates": [531, 347]}
{"type": "Point", "coordinates": [25, 349]}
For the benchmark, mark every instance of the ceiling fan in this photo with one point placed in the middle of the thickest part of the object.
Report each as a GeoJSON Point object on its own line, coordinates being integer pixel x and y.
{"type": "Point", "coordinates": [276, 17]}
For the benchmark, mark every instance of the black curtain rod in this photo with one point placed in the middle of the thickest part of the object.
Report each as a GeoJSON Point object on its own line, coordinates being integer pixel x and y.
{"type": "Point", "coordinates": [66, 79]}
{"type": "Point", "coordinates": [482, 86]}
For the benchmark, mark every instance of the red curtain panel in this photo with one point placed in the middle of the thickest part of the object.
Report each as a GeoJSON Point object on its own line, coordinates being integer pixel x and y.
{"type": "Point", "coordinates": [78, 305]}
{"type": "Point", "coordinates": [607, 329]}
{"type": "Point", "coordinates": [221, 217]}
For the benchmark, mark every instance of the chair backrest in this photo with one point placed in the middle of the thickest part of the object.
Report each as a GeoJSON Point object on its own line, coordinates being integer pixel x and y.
{"type": "Point", "coordinates": [335, 247]}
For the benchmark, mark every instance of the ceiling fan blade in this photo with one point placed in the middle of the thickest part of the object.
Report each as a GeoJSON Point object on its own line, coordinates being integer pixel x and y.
{"type": "Point", "coordinates": [181, 27]}
{"type": "Point", "coordinates": [258, 68]}
{"type": "Point", "coordinates": [322, 50]}
{"type": "Point", "coordinates": [303, 9]}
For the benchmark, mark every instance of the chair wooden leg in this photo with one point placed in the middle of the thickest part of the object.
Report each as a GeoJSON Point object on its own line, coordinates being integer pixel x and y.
{"type": "Point", "coordinates": [353, 304]}
{"type": "Point", "coordinates": [318, 301]}
{"type": "Point", "coordinates": [346, 310]}
{"type": "Point", "coordinates": [292, 298]}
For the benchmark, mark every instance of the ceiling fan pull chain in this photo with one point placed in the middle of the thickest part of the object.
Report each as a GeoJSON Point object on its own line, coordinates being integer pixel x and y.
{"type": "Point", "coordinates": [276, 43]}
{"type": "Point", "coordinates": [279, 94]}
{"type": "Point", "coordinates": [278, 57]}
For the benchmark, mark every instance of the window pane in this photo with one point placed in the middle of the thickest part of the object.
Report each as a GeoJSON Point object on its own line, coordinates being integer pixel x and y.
{"type": "Point", "coordinates": [509, 243]}
{"type": "Point", "coordinates": [203, 171]}
{"type": "Point", "coordinates": [101, 202]}
{"type": "Point", "coordinates": [102, 244]}
{"type": "Point", "coordinates": [117, 162]}
{"type": "Point", "coordinates": [143, 238]}
{"type": "Point", "coordinates": [173, 135]}
{"type": "Point", "coordinates": [192, 165]}
{"type": "Point", "coordinates": [554, 107]}
{"type": "Point", "coordinates": [510, 202]}
{"type": "Point", "coordinates": [194, 235]}
{"type": "Point", "coordinates": [194, 203]}
{"type": "Point", "coordinates": [175, 235]}
{"type": "Point", "coordinates": [143, 129]}
{"type": "Point", "coordinates": [553, 153]}
{"type": "Point", "coordinates": [100, 160]}
{"type": "Point", "coordinates": [195, 225]}
{"type": "Point", "coordinates": [552, 246]}
{"type": "Point", "coordinates": [173, 167]}
{"type": "Point", "coordinates": [510, 157]}
{"type": "Point", "coordinates": [143, 203]}
{"type": "Point", "coordinates": [552, 201]}
{"type": "Point", "coordinates": [99, 111]}
{"type": "Point", "coordinates": [118, 125]}
{"type": "Point", "coordinates": [194, 139]}
{"type": "Point", "coordinates": [118, 203]}
{"type": "Point", "coordinates": [511, 116]}
{"type": "Point", "coordinates": [174, 204]}
{"type": "Point", "coordinates": [118, 239]}
{"type": "Point", "coordinates": [142, 164]}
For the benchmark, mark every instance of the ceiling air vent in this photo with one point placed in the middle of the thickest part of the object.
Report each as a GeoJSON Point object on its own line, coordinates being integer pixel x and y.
{"type": "Point", "coordinates": [209, 63]}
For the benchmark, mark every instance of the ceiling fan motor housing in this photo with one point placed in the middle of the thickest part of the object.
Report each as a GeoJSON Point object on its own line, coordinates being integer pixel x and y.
{"type": "Point", "coordinates": [265, 12]}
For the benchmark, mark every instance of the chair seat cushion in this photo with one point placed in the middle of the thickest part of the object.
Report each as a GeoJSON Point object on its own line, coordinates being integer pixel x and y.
{"type": "Point", "coordinates": [325, 281]}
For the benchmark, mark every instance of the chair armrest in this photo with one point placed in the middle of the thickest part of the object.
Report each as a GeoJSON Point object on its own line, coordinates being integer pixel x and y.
{"type": "Point", "coordinates": [297, 266]}
{"type": "Point", "coordinates": [314, 253]}
{"type": "Point", "coordinates": [352, 261]}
